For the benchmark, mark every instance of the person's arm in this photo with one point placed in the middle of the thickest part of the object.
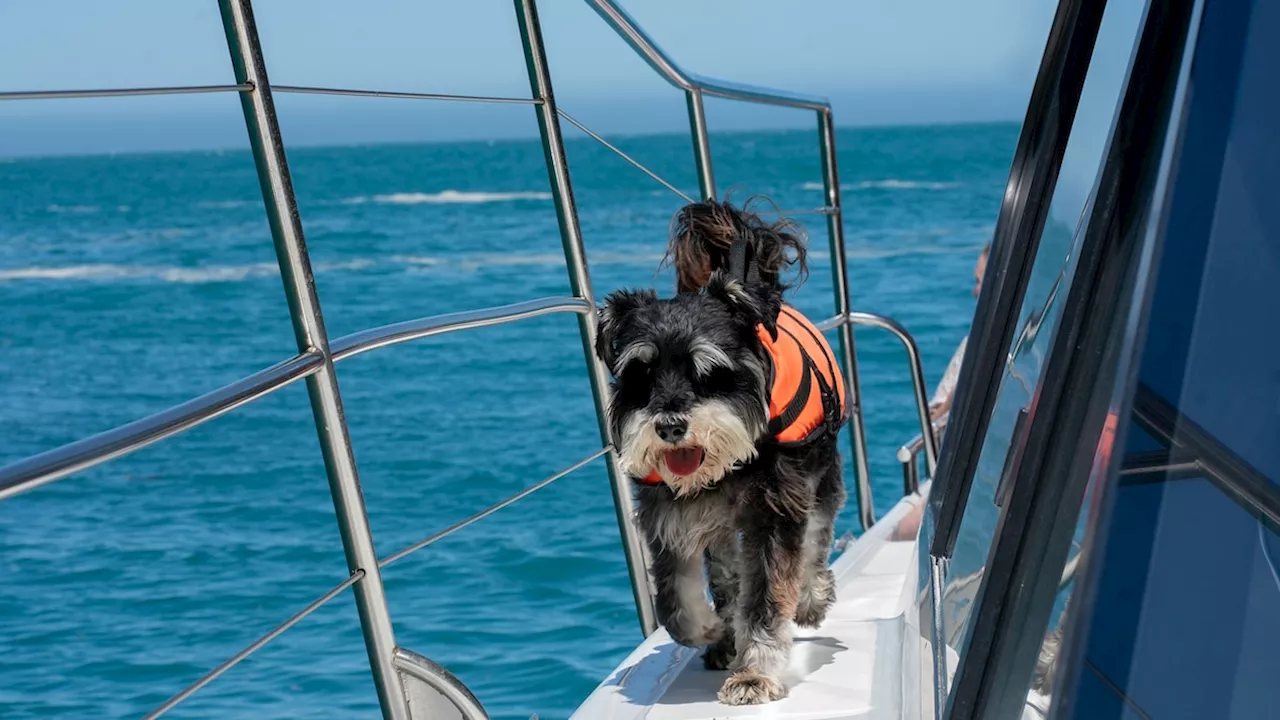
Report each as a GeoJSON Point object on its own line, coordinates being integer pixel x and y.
{"type": "Point", "coordinates": [941, 402]}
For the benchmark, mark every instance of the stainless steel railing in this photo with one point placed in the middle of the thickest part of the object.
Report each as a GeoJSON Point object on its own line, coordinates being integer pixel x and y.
{"type": "Point", "coordinates": [366, 340]}
{"type": "Point", "coordinates": [124, 92]}
{"type": "Point", "coordinates": [639, 40]}
{"type": "Point", "coordinates": [32, 472]}
{"type": "Point", "coordinates": [337, 589]}
{"type": "Point", "coordinates": [696, 87]}
{"type": "Point", "coordinates": [400, 675]}
{"type": "Point", "coordinates": [909, 456]}
{"type": "Point", "coordinates": [580, 282]}
{"type": "Point", "coordinates": [37, 470]}
{"type": "Point", "coordinates": [927, 440]}
{"type": "Point", "coordinates": [311, 334]}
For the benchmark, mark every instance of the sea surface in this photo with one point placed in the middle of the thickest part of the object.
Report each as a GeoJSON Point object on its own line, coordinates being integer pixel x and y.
{"type": "Point", "coordinates": [130, 283]}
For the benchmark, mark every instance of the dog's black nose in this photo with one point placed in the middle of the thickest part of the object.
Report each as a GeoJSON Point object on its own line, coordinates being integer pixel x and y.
{"type": "Point", "coordinates": [672, 431]}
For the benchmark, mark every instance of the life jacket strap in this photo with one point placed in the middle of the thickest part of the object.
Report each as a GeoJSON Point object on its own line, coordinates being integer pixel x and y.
{"type": "Point", "coordinates": [741, 262]}
{"type": "Point", "coordinates": [796, 405]}
{"type": "Point", "coordinates": [830, 397]}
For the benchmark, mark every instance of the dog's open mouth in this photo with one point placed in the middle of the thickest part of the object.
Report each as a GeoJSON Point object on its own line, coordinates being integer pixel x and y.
{"type": "Point", "coordinates": [684, 461]}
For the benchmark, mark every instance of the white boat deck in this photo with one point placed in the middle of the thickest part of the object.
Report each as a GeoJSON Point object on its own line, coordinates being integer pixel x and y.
{"type": "Point", "coordinates": [850, 667]}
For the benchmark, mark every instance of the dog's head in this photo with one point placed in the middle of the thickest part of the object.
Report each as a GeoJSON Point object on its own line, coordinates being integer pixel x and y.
{"type": "Point", "coordinates": [690, 396]}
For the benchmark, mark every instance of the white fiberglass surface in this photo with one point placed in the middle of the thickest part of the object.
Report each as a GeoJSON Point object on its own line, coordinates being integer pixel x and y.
{"type": "Point", "coordinates": [850, 667]}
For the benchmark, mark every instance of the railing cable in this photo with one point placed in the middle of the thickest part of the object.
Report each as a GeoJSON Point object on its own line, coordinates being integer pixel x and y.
{"type": "Point", "coordinates": [590, 133]}
{"type": "Point", "coordinates": [309, 90]}
{"type": "Point", "coordinates": [257, 645]}
{"type": "Point", "coordinates": [490, 510]}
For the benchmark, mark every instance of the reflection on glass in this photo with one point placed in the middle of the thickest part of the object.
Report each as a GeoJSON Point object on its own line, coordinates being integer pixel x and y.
{"type": "Point", "coordinates": [1183, 617]}
{"type": "Point", "coordinates": [1047, 287]}
{"type": "Point", "coordinates": [1046, 671]}
{"type": "Point", "coordinates": [1185, 623]}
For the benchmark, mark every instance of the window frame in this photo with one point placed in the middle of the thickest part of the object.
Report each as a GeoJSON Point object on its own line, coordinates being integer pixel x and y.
{"type": "Point", "coordinates": [1087, 375]}
{"type": "Point", "coordinates": [1024, 211]}
{"type": "Point", "coordinates": [1188, 452]}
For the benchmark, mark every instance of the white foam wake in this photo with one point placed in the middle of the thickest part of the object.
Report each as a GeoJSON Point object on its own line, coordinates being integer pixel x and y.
{"type": "Point", "coordinates": [107, 271]}
{"type": "Point", "coordinates": [889, 184]}
{"type": "Point", "coordinates": [227, 204]}
{"type": "Point", "coordinates": [406, 263]}
{"type": "Point", "coordinates": [82, 209]}
{"type": "Point", "coordinates": [183, 275]}
{"type": "Point", "coordinates": [446, 197]}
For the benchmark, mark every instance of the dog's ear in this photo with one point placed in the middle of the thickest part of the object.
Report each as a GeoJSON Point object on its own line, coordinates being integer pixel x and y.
{"type": "Point", "coordinates": [614, 316]}
{"type": "Point", "coordinates": [755, 303]}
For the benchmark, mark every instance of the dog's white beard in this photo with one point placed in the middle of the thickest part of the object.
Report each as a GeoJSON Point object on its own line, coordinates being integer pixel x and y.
{"type": "Point", "coordinates": [714, 426]}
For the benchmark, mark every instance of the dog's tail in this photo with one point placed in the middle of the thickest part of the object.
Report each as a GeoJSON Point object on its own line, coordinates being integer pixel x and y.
{"type": "Point", "coordinates": [702, 234]}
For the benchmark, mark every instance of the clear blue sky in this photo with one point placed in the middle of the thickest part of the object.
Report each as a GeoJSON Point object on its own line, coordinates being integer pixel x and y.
{"type": "Point", "coordinates": [880, 61]}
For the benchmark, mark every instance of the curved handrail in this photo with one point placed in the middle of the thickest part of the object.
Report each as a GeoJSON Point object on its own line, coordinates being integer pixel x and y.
{"type": "Point", "coordinates": [912, 447]}
{"type": "Point", "coordinates": [917, 378]}
{"type": "Point", "coordinates": [438, 678]}
{"type": "Point", "coordinates": [929, 440]}
{"type": "Point", "coordinates": [907, 456]}
{"type": "Point", "coordinates": [627, 28]}
{"type": "Point", "coordinates": [80, 455]}
{"type": "Point", "coordinates": [695, 87]}
{"type": "Point", "coordinates": [361, 342]}
{"type": "Point", "coordinates": [36, 470]}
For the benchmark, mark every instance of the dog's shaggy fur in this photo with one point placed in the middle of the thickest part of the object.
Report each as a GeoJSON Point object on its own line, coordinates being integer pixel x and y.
{"type": "Point", "coordinates": [754, 520]}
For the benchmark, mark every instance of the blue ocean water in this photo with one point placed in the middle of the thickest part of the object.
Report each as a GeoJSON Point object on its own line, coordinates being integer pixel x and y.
{"type": "Point", "coordinates": [130, 283]}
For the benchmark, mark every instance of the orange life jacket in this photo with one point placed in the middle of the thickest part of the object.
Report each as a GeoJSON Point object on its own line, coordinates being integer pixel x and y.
{"type": "Point", "coordinates": [805, 384]}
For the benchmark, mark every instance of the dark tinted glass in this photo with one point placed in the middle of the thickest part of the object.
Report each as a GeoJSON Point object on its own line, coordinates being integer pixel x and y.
{"type": "Point", "coordinates": [1186, 620]}
{"type": "Point", "coordinates": [1051, 276]}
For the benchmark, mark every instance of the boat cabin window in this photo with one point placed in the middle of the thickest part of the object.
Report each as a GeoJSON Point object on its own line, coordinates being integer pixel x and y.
{"type": "Point", "coordinates": [1050, 279]}
{"type": "Point", "coordinates": [1184, 595]}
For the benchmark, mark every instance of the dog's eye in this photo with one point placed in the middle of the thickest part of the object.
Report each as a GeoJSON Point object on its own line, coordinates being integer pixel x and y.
{"type": "Point", "coordinates": [638, 368]}
{"type": "Point", "coordinates": [637, 354]}
{"type": "Point", "coordinates": [707, 359]}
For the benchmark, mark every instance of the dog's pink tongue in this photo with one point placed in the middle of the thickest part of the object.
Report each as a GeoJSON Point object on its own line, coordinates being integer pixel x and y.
{"type": "Point", "coordinates": [684, 461]}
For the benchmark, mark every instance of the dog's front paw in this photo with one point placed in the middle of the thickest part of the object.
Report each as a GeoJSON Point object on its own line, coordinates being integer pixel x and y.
{"type": "Point", "coordinates": [751, 688]}
{"type": "Point", "coordinates": [695, 628]}
{"type": "Point", "coordinates": [816, 599]}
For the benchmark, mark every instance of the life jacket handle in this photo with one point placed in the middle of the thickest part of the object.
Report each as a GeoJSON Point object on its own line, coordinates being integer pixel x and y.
{"type": "Point", "coordinates": [741, 262]}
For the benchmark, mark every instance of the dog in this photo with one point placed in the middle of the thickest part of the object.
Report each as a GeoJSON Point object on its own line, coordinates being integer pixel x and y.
{"type": "Point", "coordinates": [726, 405]}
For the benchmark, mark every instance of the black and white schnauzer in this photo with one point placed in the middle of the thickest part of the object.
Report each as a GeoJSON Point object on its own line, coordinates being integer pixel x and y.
{"type": "Point", "coordinates": [726, 407]}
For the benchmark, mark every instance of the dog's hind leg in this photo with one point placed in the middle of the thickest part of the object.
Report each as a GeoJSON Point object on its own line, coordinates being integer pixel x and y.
{"type": "Point", "coordinates": [772, 571]}
{"type": "Point", "coordinates": [818, 593]}
{"type": "Point", "coordinates": [722, 573]}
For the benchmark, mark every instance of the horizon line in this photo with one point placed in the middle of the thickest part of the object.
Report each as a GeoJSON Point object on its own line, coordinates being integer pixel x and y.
{"type": "Point", "coordinates": [7, 158]}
